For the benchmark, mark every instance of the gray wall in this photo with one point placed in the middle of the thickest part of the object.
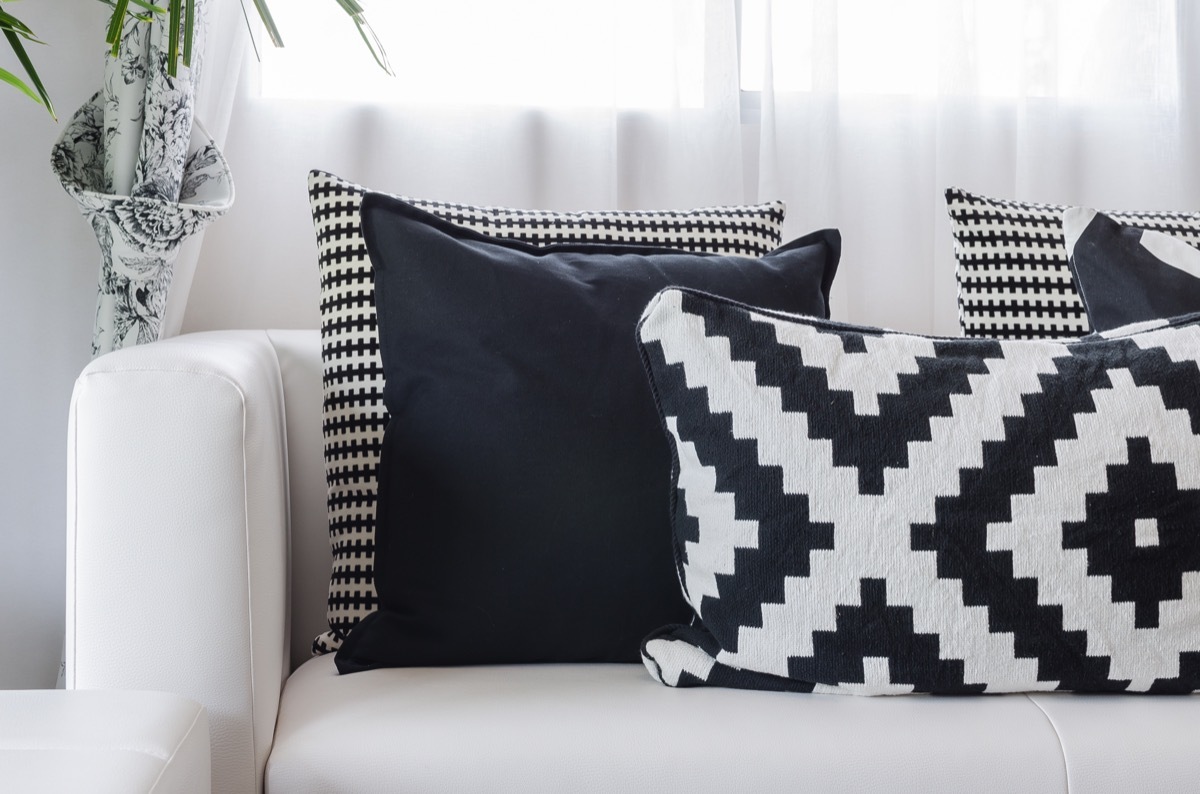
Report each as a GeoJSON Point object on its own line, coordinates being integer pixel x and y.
{"type": "Point", "coordinates": [48, 266]}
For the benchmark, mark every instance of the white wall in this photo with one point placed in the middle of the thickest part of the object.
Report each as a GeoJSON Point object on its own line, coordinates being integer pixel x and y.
{"type": "Point", "coordinates": [49, 263]}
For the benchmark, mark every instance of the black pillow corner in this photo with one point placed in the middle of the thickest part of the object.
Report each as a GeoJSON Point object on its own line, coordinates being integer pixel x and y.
{"type": "Point", "coordinates": [1126, 274]}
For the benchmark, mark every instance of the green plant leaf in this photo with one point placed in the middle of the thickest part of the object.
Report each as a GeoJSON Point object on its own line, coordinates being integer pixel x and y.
{"type": "Point", "coordinates": [14, 41]}
{"type": "Point", "coordinates": [116, 23]}
{"type": "Point", "coordinates": [10, 78]}
{"type": "Point", "coordinates": [9, 22]}
{"type": "Point", "coordinates": [173, 22]}
{"type": "Point", "coordinates": [268, 22]}
{"type": "Point", "coordinates": [181, 18]}
{"type": "Point", "coordinates": [365, 31]}
{"type": "Point", "coordinates": [250, 31]}
{"type": "Point", "coordinates": [189, 31]}
{"type": "Point", "coordinates": [150, 7]}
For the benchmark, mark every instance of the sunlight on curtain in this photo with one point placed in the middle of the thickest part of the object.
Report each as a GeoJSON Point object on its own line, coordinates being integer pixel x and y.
{"type": "Point", "coordinates": [868, 110]}
{"type": "Point", "coordinates": [1078, 50]}
{"type": "Point", "coordinates": [535, 53]}
{"type": "Point", "coordinates": [858, 113]}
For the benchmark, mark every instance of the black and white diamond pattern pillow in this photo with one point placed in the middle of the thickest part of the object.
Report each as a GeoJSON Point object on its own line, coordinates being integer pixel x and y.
{"type": "Point", "coordinates": [868, 512]}
{"type": "Point", "coordinates": [354, 416]}
{"type": "Point", "coordinates": [1014, 281]}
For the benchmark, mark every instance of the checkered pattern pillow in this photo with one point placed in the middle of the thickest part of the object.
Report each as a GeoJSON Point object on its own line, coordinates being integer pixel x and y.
{"type": "Point", "coordinates": [1014, 281]}
{"type": "Point", "coordinates": [354, 416]}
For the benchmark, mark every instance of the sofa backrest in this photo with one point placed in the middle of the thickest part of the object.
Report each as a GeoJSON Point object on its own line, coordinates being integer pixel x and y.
{"type": "Point", "coordinates": [300, 367]}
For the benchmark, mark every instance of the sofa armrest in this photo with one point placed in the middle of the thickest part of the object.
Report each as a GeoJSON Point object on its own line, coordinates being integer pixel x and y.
{"type": "Point", "coordinates": [177, 547]}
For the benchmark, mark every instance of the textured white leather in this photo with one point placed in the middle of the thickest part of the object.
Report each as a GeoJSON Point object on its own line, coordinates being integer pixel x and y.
{"type": "Point", "coordinates": [102, 741]}
{"type": "Point", "coordinates": [299, 354]}
{"type": "Point", "coordinates": [1126, 742]}
{"type": "Point", "coordinates": [608, 728]}
{"type": "Point", "coordinates": [180, 457]}
{"type": "Point", "coordinates": [177, 535]}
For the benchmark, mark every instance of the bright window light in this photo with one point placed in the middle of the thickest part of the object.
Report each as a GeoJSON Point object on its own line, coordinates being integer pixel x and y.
{"type": "Point", "coordinates": [987, 48]}
{"type": "Point", "coordinates": [523, 53]}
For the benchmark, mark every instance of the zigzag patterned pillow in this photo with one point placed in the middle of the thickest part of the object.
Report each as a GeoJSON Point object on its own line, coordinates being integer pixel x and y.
{"type": "Point", "coordinates": [868, 512]}
{"type": "Point", "coordinates": [1013, 278]}
{"type": "Point", "coordinates": [354, 416]}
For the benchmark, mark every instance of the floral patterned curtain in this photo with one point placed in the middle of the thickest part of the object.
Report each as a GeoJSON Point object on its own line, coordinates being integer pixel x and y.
{"type": "Point", "coordinates": [146, 176]}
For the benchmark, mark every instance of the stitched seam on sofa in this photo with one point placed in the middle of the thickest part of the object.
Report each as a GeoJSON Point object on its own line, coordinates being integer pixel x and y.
{"type": "Point", "coordinates": [182, 740]}
{"type": "Point", "coordinates": [1061, 748]}
{"type": "Point", "coordinates": [249, 589]}
{"type": "Point", "coordinates": [82, 382]}
{"type": "Point", "coordinates": [89, 745]}
{"type": "Point", "coordinates": [245, 522]}
{"type": "Point", "coordinates": [287, 508]}
{"type": "Point", "coordinates": [245, 517]}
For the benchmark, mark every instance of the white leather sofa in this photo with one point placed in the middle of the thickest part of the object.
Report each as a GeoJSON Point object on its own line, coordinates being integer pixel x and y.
{"type": "Point", "coordinates": [102, 742]}
{"type": "Point", "coordinates": [198, 564]}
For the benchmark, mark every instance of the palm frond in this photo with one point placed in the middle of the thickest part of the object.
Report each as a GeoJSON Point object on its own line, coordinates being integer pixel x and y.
{"type": "Point", "coordinates": [369, 38]}
{"type": "Point", "coordinates": [181, 16]}
{"type": "Point", "coordinates": [14, 33]}
{"type": "Point", "coordinates": [189, 31]}
{"type": "Point", "coordinates": [9, 22]}
{"type": "Point", "coordinates": [268, 21]}
{"type": "Point", "coordinates": [116, 24]}
{"type": "Point", "coordinates": [19, 84]}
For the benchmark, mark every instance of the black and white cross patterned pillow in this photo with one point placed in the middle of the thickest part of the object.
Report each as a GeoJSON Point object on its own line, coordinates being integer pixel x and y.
{"type": "Point", "coordinates": [354, 416]}
{"type": "Point", "coordinates": [1014, 281]}
{"type": "Point", "coordinates": [1128, 275]}
{"type": "Point", "coordinates": [869, 512]}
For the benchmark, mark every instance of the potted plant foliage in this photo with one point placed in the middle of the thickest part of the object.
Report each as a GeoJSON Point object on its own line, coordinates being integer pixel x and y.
{"type": "Point", "coordinates": [182, 17]}
{"type": "Point", "coordinates": [143, 170]}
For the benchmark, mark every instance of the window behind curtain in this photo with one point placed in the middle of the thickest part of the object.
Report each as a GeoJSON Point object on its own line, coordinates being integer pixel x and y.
{"type": "Point", "coordinates": [651, 53]}
{"type": "Point", "coordinates": [525, 53]}
{"type": "Point", "coordinates": [1069, 49]}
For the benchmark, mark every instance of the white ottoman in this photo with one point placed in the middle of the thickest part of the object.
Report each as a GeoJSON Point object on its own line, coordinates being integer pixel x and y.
{"type": "Point", "coordinates": [102, 741]}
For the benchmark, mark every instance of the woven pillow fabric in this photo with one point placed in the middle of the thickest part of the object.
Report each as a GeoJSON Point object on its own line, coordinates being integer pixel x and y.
{"type": "Point", "coordinates": [867, 512]}
{"type": "Point", "coordinates": [1128, 275]}
{"type": "Point", "coordinates": [354, 416]}
{"type": "Point", "coordinates": [1014, 280]}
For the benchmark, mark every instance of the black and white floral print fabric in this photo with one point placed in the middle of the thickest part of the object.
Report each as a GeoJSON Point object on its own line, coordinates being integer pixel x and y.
{"type": "Point", "coordinates": [146, 177]}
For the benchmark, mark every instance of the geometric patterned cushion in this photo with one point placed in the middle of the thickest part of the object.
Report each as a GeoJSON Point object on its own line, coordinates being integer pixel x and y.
{"type": "Point", "coordinates": [1014, 281]}
{"type": "Point", "coordinates": [867, 512]}
{"type": "Point", "coordinates": [354, 416]}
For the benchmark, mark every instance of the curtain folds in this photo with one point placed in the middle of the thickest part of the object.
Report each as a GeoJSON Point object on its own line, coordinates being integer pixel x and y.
{"type": "Point", "coordinates": [858, 113]}
{"type": "Point", "coordinates": [148, 178]}
{"type": "Point", "coordinates": [223, 57]}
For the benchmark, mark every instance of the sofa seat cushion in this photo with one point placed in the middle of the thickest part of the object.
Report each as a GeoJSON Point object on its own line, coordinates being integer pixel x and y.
{"type": "Point", "coordinates": [103, 741]}
{"type": "Point", "coordinates": [609, 727]}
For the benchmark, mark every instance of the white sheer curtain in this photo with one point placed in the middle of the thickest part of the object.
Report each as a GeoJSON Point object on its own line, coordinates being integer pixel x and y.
{"type": "Point", "coordinates": [226, 42]}
{"type": "Point", "coordinates": [858, 113]}
{"type": "Point", "coordinates": [870, 109]}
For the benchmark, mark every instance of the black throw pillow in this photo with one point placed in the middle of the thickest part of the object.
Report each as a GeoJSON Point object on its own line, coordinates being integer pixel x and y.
{"type": "Point", "coordinates": [1129, 275]}
{"type": "Point", "coordinates": [523, 509]}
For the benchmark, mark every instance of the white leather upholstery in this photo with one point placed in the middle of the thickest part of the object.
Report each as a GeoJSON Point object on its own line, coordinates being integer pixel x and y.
{"type": "Point", "coordinates": [177, 534]}
{"type": "Point", "coordinates": [299, 356]}
{"type": "Point", "coordinates": [179, 511]}
{"type": "Point", "coordinates": [608, 728]}
{"type": "Point", "coordinates": [1125, 743]}
{"type": "Point", "coordinates": [97, 741]}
